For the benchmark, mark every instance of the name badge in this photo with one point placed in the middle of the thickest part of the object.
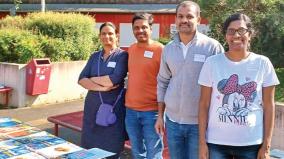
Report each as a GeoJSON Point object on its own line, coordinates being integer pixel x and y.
{"type": "Point", "coordinates": [148, 54]}
{"type": "Point", "coordinates": [111, 64]}
{"type": "Point", "coordinates": [199, 58]}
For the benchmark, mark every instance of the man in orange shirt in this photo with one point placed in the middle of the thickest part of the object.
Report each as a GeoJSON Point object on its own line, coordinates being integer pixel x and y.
{"type": "Point", "coordinates": [141, 96]}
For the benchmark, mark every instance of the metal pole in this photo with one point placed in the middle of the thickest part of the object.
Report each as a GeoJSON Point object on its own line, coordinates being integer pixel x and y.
{"type": "Point", "coordinates": [42, 5]}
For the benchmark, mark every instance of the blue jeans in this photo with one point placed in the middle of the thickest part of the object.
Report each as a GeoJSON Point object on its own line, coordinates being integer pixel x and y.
{"type": "Point", "coordinates": [182, 140]}
{"type": "Point", "coordinates": [145, 142]}
{"type": "Point", "coordinates": [236, 152]}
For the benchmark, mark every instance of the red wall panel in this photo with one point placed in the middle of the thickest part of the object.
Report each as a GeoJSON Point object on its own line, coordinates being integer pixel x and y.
{"type": "Point", "coordinates": [164, 19]}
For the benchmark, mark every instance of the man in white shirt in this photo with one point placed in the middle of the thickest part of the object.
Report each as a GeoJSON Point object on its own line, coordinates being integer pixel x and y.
{"type": "Point", "coordinates": [178, 91]}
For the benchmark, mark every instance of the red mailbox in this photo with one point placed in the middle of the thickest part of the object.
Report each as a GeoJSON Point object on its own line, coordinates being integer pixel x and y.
{"type": "Point", "coordinates": [37, 76]}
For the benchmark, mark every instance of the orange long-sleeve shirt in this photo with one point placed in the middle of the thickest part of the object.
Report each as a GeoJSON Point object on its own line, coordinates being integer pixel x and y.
{"type": "Point", "coordinates": [143, 68]}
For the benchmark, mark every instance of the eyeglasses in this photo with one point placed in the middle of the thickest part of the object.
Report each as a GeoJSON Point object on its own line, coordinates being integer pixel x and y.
{"type": "Point", "coordinates": [241, 31]}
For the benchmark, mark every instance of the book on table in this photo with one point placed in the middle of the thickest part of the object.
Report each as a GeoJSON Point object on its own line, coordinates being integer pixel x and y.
{"type": "Point", "coordinates": [22, 141]}
{"type": "Point", "coordinates": [94, 153]}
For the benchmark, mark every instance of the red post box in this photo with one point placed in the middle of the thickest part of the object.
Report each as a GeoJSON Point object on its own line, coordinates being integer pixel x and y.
{"type": "Point", "coordinates": [37, 76]}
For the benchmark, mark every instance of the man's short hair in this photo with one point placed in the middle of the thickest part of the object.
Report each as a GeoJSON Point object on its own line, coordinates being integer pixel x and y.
{"type": "Point", "coordinates": [189, 3]}
{"type": "Point", "coordinates": [143, 16]}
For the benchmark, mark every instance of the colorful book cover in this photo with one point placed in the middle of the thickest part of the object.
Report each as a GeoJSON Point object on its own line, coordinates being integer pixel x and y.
{"type": "Point", "coordinates": [31, 138]}
{"type": "Point", "coordinates": [22, 133]}
{"type": "Point", "coordinates": [9, 144]}
{"type": "Point", "coordinates": [5, 119]}
{"type": "Point", "coordinates": [49, 139]}
{"type": "Point", "coordinates": [24, 140]}
{"type": "Point", "coordinates": [3, 137]}
{"type": "Point", "coordinates": [9, 123]}
{"type": "Point", "coordinates": [4, 130]}
{"type": "Point", "coordinates": [44, 138]}
{"type": "Point", "coordinates": [58, 150]}
{"type": "Point", "coordinates": [5, 155]}
{"type": "Point", "coordinates": [99, 153]}
{"type": "Point", "coordinates": [8, 119]}
{"type": "Point", "coordinates": [54, 141]}
{"type": "Point", "coordinates": [30, 155]}
{"type": "Point", "coordinates": [37, 145]}
{"type": "Point", "coordinates": [19, 150]}
{"type": "Point", "coordinates": [38, 134]}
{"type": "Point", "coordinates": [82, 154]}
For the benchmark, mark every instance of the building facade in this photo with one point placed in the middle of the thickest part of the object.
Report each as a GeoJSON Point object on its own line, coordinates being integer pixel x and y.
{"type": "Point", "coordinates": [119, 12]}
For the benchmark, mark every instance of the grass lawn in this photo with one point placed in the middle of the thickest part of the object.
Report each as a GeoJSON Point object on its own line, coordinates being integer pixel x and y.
{"type": "Point", "coordinates": [279, 94]}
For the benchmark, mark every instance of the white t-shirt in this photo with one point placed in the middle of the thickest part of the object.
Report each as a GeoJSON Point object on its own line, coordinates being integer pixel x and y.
{"type": "Point", "coordinates": [236, 112]}
{"type": "Point", "coordinates": [185, 48]}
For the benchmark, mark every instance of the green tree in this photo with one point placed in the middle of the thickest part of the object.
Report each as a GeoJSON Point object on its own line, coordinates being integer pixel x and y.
{"type": "Point", "coordinates": [59, 36]}
{"type": "Point", "coordinates": [267, 17]}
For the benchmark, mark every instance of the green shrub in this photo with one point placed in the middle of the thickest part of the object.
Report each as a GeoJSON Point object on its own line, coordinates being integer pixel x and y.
{"type": "Point", "coordinates": [266, 15]}
{"type": "Point", "coordinates": [59, 36]}
{"type": "Point", "coordinates": [12, 22]}
{"type": "Point", "coordinates": [76, 30]}
{"type": "Point", "coordinates": [55, 49]}
{"type": "Point", "coordinates": [59, 25]}
{"type": "Point", "coordinates": [18, 46]}
{"type": "Point", "coordinates": [96, 42]}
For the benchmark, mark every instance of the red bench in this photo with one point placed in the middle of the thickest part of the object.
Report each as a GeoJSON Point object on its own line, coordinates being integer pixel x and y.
{"type": "Point", "coordinates": [74, 121]}
{"type": "Point", "coordinates": [6, 91]}
{"type": "Point", "coordinates": [70, 120]}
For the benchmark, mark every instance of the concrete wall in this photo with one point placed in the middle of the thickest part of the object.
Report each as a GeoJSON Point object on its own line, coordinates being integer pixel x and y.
{"type": "Point", "coordinates": [13, 75]}
{"type": "Point", "coordinates": [62, 85]}
{"type": "Point", "coordinates": [278, 134]}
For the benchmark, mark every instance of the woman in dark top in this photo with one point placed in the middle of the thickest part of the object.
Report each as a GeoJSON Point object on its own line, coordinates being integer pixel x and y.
{"type": "Point", "coordinates": [111, 62]}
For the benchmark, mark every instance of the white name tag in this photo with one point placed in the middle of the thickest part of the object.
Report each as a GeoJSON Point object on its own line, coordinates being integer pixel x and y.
{"type": "Point", "coordinates": [148, 54]}
{"type": "Point", "coordinates": [199, 58]}
{"type": "Point", "coordinates": [111, 64]}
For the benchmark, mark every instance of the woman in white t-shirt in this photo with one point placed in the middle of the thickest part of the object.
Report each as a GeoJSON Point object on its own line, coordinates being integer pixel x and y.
{"type": "Point", "coordinates": [236, 108]}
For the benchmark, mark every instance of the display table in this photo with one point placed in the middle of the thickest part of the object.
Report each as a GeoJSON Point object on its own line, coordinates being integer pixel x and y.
{"type": "Point", "coordinates": [74, 121]}
{"type": "Point", "coordinates": [20, 140]}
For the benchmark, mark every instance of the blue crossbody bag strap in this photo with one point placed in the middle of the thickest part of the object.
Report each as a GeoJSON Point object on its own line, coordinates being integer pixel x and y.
{"type": "Point", "coordinates": [101, 98]}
